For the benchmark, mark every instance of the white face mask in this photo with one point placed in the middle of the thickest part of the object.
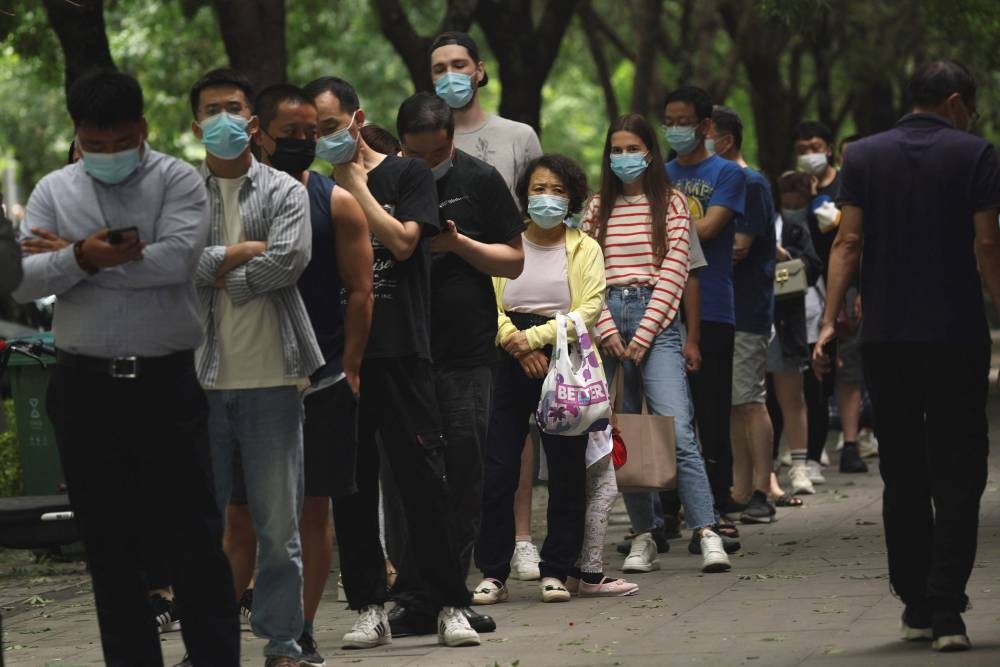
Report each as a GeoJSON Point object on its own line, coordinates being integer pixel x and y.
{"type": "Point", "coordinates": [813, 164]}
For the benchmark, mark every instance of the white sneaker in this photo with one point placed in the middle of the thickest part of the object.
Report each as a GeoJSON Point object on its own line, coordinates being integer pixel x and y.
{"type": "Point", "coordinates": [798, 475]}
{"type": "Point", "coordinates": [370, 630]}
{"type": "Point", "coordinates": [490, 591]}
{"type": "Point", "coordinates": [554, 590]}
{"type": "Point", "coordinates": [867, 444]}
{"type": "Point", "coordinates": [840, 443]}
{"type": "Point", "coordinates": [454, 629]}
{"type": "Point", "coordinates": [824, 458]}
{"type": "Point", "coordinates": [642, 555]}
{"type": "Point", "coordinates": [815, 471]}
{"type": "Point", "coordinates": [524, 564]}
{"type": "Point", "coordinates": [713, 555]}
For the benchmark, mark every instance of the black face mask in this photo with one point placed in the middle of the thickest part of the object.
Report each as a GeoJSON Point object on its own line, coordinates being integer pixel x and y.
{"type": "Point", "coordinates": [293, 156]}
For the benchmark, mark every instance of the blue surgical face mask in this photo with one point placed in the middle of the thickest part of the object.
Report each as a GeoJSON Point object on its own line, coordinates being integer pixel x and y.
{"type": "Point", "coordinates": [547, 211]}
{"type": "Point", "coordinates": [442, 169]}
{"type": "Point", "coordinates": [225, 135]}
{"type": "Point", "coordinates": [682, 138]}
{"type": "Point", "coordinates": [455, 88]}
{"type": "Point", "coordinates": [794, 215]}
{"type": "Point", "coordinates": [710, 146]}
{"type": "Point", "coordinates": [629, 167]}
{"type": "Point", "coordinates": [112, 168]}
{"type": "Point", "coordinates": [338, 147]}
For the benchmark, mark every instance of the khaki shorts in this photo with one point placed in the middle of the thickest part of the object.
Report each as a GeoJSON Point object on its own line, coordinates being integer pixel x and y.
{"type": "Point", "coordinates": [749, 368]}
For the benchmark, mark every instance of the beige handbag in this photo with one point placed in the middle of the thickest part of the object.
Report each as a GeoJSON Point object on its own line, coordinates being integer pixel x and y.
{"type": "Point", "coordinates": [651, 444]}
{"type": "Point", "coordinates": [790, 279]}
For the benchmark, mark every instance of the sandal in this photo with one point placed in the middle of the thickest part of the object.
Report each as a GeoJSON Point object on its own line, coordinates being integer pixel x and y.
{"type": "Point", "coordinates": [787, 500]}
{"type": "Point", "coordinates": [727, 528]}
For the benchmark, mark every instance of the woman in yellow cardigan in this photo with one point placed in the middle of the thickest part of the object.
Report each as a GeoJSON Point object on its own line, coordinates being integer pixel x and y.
{"type": "Point", "coordinates": [563, 271]}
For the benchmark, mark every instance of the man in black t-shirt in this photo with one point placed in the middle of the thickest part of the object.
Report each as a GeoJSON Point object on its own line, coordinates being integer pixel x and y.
{"type": "Point", "coordinates": [398, 401]}
{"type": "Point", "coordinates": [480, 237]}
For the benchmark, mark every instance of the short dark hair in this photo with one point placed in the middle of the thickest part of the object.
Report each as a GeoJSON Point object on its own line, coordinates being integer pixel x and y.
{"type": "Point", "coordinates": [105, 98]}
{"type": "Point", "coordinates": [795, 182]}
{"type": "Point", "coordinates": [380, 139]}
{"type": "Point", "coordinates": [932, 82]}
{"type": "Point", "coordinates": [424, 112]}
{"type": "Point", "coordinates": [809, 129]}
{"type": "Point", "coordinates": [339, 88]}
{"type": "Point", "coordinates": [693, 95]}
{"type": "Point", "coordinates": [220, 77]}
{"type": "Point", "coordinates": [265, 107]}
{"type": "Point", "coordinates": [460, 39]}
{"type": "Point", "coordinates": [728, 122]}
{"type": "Point", "coordinates": [568, 171]}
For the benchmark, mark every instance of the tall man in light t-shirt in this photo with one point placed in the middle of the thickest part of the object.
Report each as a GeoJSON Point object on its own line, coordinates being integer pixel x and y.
{"type": "Point", "coordinates": [507, 146]}
{"type": "Point", "coordinates": [259, 345]}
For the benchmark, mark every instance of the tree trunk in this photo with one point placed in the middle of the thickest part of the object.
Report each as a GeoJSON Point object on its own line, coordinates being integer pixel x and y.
{"type": "Point", "coordinates": [590, 31]}
{"type": "Point", "coordinates": [79, 25]}
{"type": "Point", "coordinates": [412, 47]}
{"type": "Point", "coordinates": [253, 32]}
{"type": "Point", "coordinates": [525, 52]}
{"type": "Point", "coordinates": [649, 34]}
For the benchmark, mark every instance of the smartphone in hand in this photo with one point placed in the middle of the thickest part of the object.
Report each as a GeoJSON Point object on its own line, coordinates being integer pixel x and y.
{"type": "Point", "coordinates": [122, 235]}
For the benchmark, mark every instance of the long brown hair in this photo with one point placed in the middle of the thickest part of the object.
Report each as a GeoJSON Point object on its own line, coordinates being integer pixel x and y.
{"type": "Point", "coordinates": [655, 182]}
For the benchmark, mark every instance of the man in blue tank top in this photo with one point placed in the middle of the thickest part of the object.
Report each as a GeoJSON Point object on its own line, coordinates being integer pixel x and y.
{"type": "Point", "coordinates": [336, 288]}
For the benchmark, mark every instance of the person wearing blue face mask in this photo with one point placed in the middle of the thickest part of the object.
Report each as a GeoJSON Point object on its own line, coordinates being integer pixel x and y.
{"type": "Point", "coordinates": [126, 330]}
{"type": "Point", "coordinates": [716, 191]}
{"type": "Point", "coordinates": [260, 347]}
{"type": "Point", "coordinates": [398, 397]}
{"type": "Point", "coordinates": [642, 223]}
{"type": "Point", "coordinates": [480, 238]}
{"type": "Point", "coordinates": [458, 74]}
{"type": "Point", "coordinates": [508, 146]}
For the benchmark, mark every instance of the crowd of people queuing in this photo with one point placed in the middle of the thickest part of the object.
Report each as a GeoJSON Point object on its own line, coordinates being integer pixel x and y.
{"type": "Point", "coordinates": [262, 342]}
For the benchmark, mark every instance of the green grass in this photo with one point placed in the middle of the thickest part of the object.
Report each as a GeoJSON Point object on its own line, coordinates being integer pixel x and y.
{"type": "Point", "coordinates": [11, 481]}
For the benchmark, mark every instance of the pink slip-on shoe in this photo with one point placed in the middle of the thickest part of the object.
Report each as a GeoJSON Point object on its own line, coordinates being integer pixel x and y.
{"type": "Point", "coordinates": [608, 588]}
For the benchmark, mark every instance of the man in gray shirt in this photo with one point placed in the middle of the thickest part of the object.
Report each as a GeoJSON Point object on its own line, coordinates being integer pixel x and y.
{"type": "Point", "coordinates": [129, 414]}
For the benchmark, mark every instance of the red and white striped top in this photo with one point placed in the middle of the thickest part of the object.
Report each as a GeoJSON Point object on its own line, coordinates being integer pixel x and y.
{"type": "Point", "coordinates": [629, 260]}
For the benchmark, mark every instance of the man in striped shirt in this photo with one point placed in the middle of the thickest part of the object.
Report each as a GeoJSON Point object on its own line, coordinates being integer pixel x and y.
{"type": "Point", "coordinates": [259, 347]}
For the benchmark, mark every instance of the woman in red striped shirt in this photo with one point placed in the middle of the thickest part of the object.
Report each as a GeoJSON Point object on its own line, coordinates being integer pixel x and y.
{"type": "Point", "coordinates": [643, 227]}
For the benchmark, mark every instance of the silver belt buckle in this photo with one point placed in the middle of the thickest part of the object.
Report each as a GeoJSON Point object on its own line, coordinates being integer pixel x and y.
{"type": "Point", "coordinates": [125, 368]}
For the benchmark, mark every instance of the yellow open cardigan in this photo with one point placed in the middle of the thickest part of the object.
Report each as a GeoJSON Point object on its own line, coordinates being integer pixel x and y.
{"type": "Point", "coordinates": [585, 268]}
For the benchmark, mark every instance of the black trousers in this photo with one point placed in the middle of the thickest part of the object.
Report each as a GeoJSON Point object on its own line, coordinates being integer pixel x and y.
{"type": "Point", "coordinates": [135, 453]}
{"type": "Point", "coordinates": [712, 393]}
{"type": "Point", "coordinates": [929, 406]}
{"type": "Point", "coordinates": [398, 403]}
{"type": "Point", "coordinates": [515, 398]}
{"type": "Point", "coordinates": [464, 397]}
{"type": "Point", "coordinates": [817, 393]}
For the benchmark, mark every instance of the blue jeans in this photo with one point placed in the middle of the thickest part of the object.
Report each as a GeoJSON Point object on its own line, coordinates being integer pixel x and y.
{"type": "Point", "coordinates": [266, 426]}
{"type": "Point", "coordinates": [665, 383]}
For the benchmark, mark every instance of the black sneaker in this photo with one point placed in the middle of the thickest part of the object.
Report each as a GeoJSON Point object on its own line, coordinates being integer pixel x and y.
{"type": "Point", "coordinates": [185, 662]}
{"type": "Point", "coordinates": [730, 544]}
{"type": "Point", "coordinates": [310, 652]}
{"type": "Point", "coordinates": [662, 545]}
{"type": "Point", "coordinates": [731, 507]}
{"type": "Point", "coordinates": [851, 461]}
{"type": "Point", "coordinates": [916, 623]}
{"type": "Point", "coordinates": [164, 613]}
{"type": "Point", "coordinates": [405, 623]}
{"type": "Point", "coordinates": [479, 622]}
{"type": "Point", "coordinates": [759, 509]}
{"type": "Point", "coordinates": [949, 632]}
{"type": "Point", "coordinates": [246, 604]}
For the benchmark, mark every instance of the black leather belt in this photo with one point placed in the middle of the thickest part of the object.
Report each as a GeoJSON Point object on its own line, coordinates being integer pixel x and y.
{"type": "Point", "coordinates": [127, 368]}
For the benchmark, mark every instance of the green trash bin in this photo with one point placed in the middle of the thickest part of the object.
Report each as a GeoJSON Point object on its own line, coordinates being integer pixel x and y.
{"type": "Point", "coordinates": [29, 381]}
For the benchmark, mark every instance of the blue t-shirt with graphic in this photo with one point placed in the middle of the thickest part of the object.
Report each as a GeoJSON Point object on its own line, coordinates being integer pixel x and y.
{"type": "Point", "coordinates": [713, 182]}
{"type": "Point", "coordinates": [754, 276]}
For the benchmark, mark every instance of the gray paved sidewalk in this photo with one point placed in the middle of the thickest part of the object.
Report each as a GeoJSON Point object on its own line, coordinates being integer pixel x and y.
{"type": "Point", "coordinates": [810, 589]}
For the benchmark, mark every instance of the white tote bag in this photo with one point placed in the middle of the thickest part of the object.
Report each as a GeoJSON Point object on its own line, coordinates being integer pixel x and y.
{"type": "Point", "coordinates": [574, 396]}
